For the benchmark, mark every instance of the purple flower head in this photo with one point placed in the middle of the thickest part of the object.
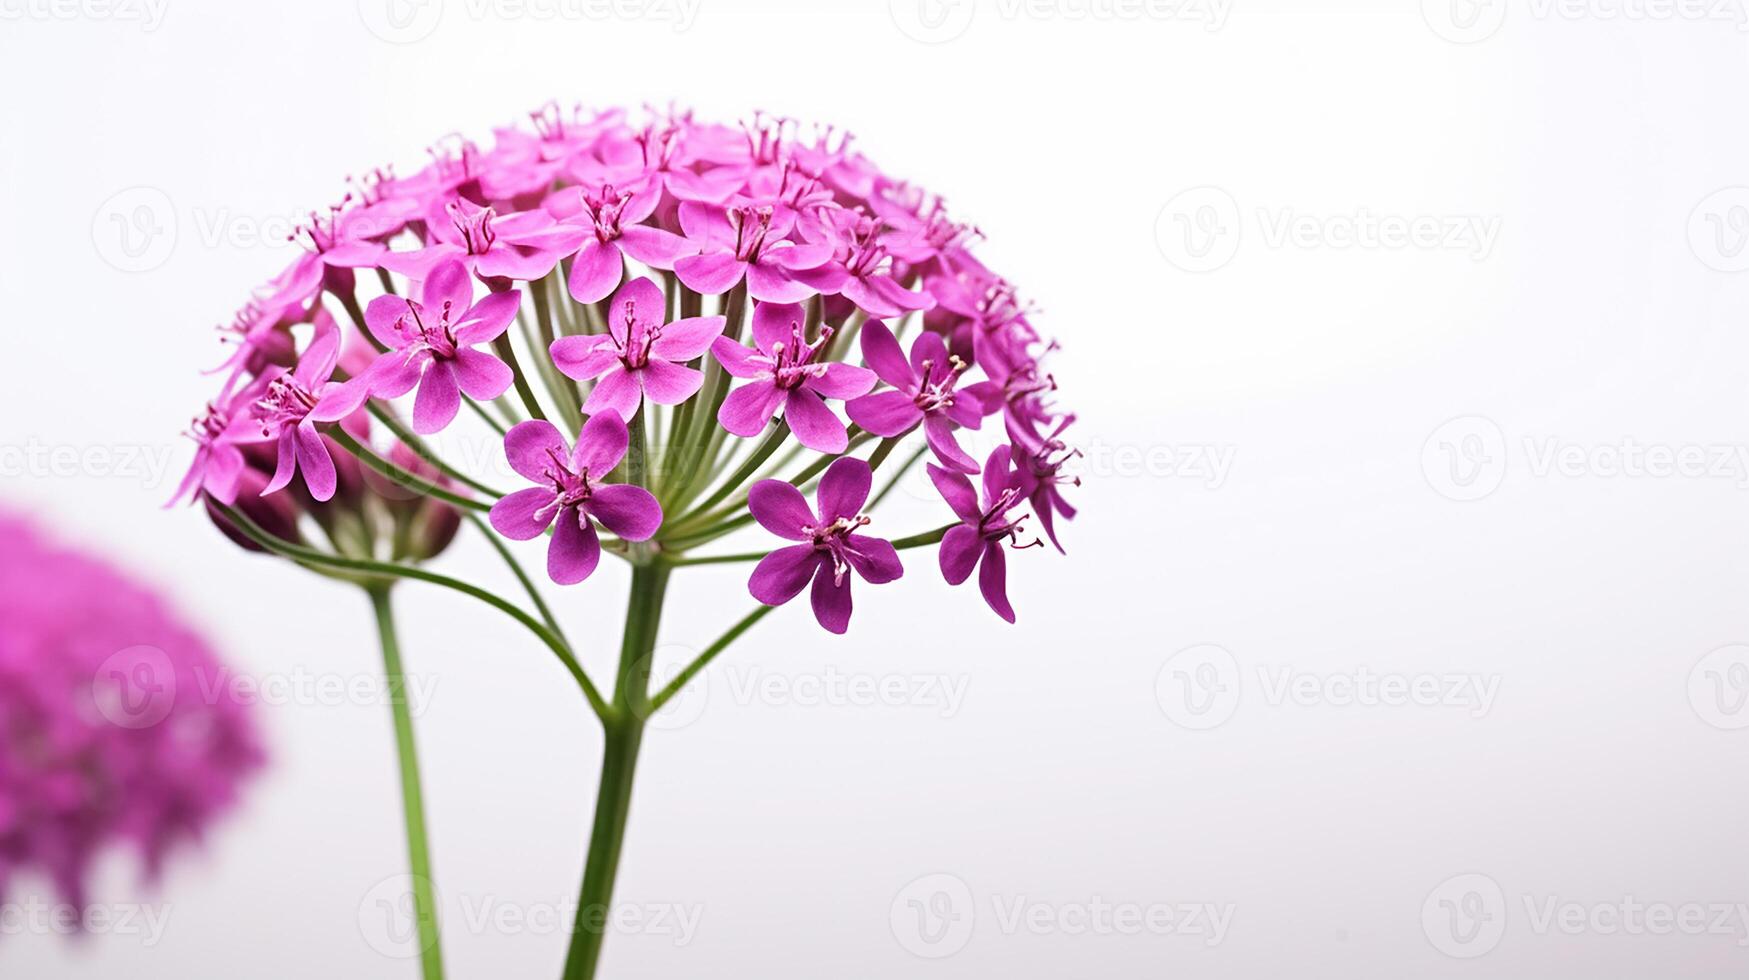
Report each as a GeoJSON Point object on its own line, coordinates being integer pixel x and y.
{"type": "Point", "coordinates": [572, 492]}
{"type": "Point", "coordinates": [785, 373]}
{"type": "Point", "coordinates": [830, 548]}
{"type": "Point", "coordinates": [639, 355]}
{"type": "Point", "coordinates": [613, 221]}
{"type": "Point", "coordinates": [984, 528]}
{"type": "Point", "coordinates": [289, 404]}
{"type": "Point", "coordinates": [862, 269]}
{"type": "Point", "coordinates": [431, 343]}
{"type": "Point", "coordinates": [746, 241]}
{"type": "Point", "coordinates": [925, 390]}
{"type": "Point", "coordinates": [110, 737]}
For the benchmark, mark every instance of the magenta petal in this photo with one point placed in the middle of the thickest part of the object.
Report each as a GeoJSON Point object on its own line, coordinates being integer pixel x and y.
{"type": "Point", "coordinates": [583, 358]}
{"type": "Point", "coordinates": [686, 339]}
{"type": "Point", "coordinates": [711, 273]}
{"type": "Point", "coordinates": [314, 461]}
{"type": "Point", "coordinates": [395, 373]}
{"type": "Point", "coordinates": [531, 447]}
{"type": "Point", "coordinates": [601, 444]}
{"type": "Point", "coordinates": [831, 599]}
{"type": "Point", "coordinates": [781, 575]}
{"type": "Point", "coordinates": [627, 510]}
{"type": "Point", "coordinates": [885, 413]}
{"type": "Point", "coordinates": [875, 559]}
{"type": "Point", "coordinates": [815, 426]}
{"type": "Point", "coordinates": [519, 515]}
{"type": "Point", "coordinates": [447, 282]}
{"type": "Point", "coordinates": [993, 580]}
{"type": "Point", "coordinates": [288, 463]}
{"type": "Point", "coordinates": [844, 489]}
{"type": "Point", "coordinates": [772, 284]}
{"type": "Point", "coordinates": [929, 347]}
{"type": "Point", "coordinates": [843, 381]}
{"type": "Point", "coordinates": [880, 349]}
{"type": "Point", "coordinates": [340, 400]}
{"type": "Point", "coordinates": [617, 393]}
{"type": "Point", "coordinates": [736, 359]}
{"type": "Point", "coordinates": [748, 408]}
{"type": "Point", "coordinates": [380, 318]}
{"type": "Point", "coordinates": [776, 323]}
{"type": "Point", "coordinates": [781, 509]}
{"type": "Point", "coordinates": [481, 376]}
{"type": "Point", "coordinates": [958, 492]}
{"type": "Point", "coordinates": [998, 473]}
{"type": "Point", "coordinates": [652, 246]}
{"type": "Point", "coordinates": [905, 299]}
{"type": "Point", "coordinates": [438, 400]}
{"type": "Point", "coordinates": [639, 300]}
{"type": "Point", "coordinates": [960, 550]}
{"type": "Point", "coordinates": [595, 272]}
{"type": "Point", "coordinates": [575, 549]}
{"type": "Point", "coordinates": [489, 318]}
{"type": "Point", "coordinates": [670, 384]}
{"type": "Point", "coordinates": [938, 432]}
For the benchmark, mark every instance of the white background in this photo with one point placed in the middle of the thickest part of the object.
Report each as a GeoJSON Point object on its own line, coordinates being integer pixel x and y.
{"type": "Point", "coordinates": [1604, 317]}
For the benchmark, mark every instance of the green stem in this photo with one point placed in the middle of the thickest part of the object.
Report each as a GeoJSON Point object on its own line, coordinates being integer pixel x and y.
{"type": "Point", "coordinates": [412, 796]}
{"type": "Point", "coordinates": [747, 469]}
{"type": "Point", "coordinates": [703, 659]}
{"type": "Point", "coordinates": [423, 451]}
{"type": "Point", "coordinates": [402, 478]}
{"type": "Point", "coordinates": [507, 353]}
{"type": "Point", "coordinates": [624, 729]}
{"type": "Point", "coordinates": [528, 586]}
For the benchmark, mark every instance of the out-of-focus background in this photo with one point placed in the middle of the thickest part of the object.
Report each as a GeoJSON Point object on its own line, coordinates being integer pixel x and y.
{"type": "Point", "coordinates": [1402, 632]}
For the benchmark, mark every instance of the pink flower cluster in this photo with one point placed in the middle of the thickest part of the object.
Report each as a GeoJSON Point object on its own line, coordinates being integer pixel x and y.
{"type": "Point", "coordinates": [626, 260]}
{"type": "Point", "coordinates": [106, 734]}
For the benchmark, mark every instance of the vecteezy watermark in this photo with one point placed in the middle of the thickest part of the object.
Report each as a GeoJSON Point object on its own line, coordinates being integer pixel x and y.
{"type": "Point", "coordinates": [1200, 230]}
{"type": "Point", "coordinates": [1718, 687]}
{"type": "Point", "coordinates": [1718, 230]}
{"type": "Point", "coordinates": [149, 14]}
{"type": "Point", "coordinates": [1200, 688]}
{"type": "Point", "coordinates": [388, 919]}
{"type": "Point", "coordinates": [409, 21]}
{"type": "Point", "coordinates": [1206, 463]}
{"type": "Point", "coordinates": [1465, 459]}
{"type": "Point", "coordinates": [940, 21]}
{"type": "Point", "coordinates": [34, 917]}
{"type": "Point", "coordinates": [1470, 21]}
{"type": "Point", "coordinates": [934, 916]}
{"type": "Point", "coordinates": [150, 466]}
{"type": "Point", "coordinates": [829, 687]}
{"type": "Point", "coordinates": [1466, 916]}
{"type": "Point", "coordinates": [138, 229]}
{"type": "Point", "coordinates": [134, 230]}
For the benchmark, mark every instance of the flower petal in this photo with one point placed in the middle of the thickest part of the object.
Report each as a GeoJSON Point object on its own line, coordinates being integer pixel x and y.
{"type": "Point", "coordinates": [831, 600]}
{"type": "Point", "coordinates": [381, 316]}
{"type": "Point", "coordinates": [314, 461]}
{"type": "Point", "coordinates": [481, 376]}
{"type": "Point", "coordinates": [447, 282]}
{"type": "Point", "coordinates": [737, 359]}
{"type": "Point", "coordinates": [627, 510]}
{"type": "Point", "coordinates": [652, 246]}
{"type": "Point", "coordinates": [815, 425]}
{"type": "Point", "coordinates": [938, 432]}
{"type": "Point", "coordinates": [531, 446]}
{"type": "Point", "coordinates": [670, 384]}
{"type": "Point", "coordinates": [961, 548]}
{"type": "Point", "coordinates": [885, 413]}
{"type": "Point", "coordinates": [517, 516]}
{"type": "Point", "coordinates": [781, 509]}
{"type": "Point", "coordinates": [748, 408]}
{"type": "Point", "coordinates": [639, 300]}
{"type": "Point", "coordinates": [575, 549]}
{"type": "Point", "coordinates": [617, 393]}
{"type": "Point", "coordinates": [781, 575]}
{"type": "Point", "coordinates": [875, 559]}
{"type": "Point", "coordinates": [958, 492]}
{"type": "Point", "coordinates": [583, 358]}
{"type": "Point", "coordinates": [776, 323]}
{"type": "Point", "coordinates": [844, 489]}
{"type": "Point", "coordinates": [843, 381]}
{"type": "Point", "coordinates": [489, 318]}
{"type": "Point", "coordinates": [710, 273]}
{"type": "Point", "coordinates": [601, 444]}
{"type": "Point", "coordinates": [993, 580]}
{"type": "Point", "coordinates": [438, 399]}
{"type": "Point", "coordinates": [686, 339]}
{"type": "Point", "coordinates": [597, 269]}
{"type": "Point", "coordinates": [881, 350]}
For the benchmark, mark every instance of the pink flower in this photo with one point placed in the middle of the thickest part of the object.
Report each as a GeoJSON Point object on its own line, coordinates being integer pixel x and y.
{"type": "Point", "coordinates": [290, 404]}
{"type": "Point", "coordinates": [784, 375]}
{"type": "Point", "coordinates": [862, 268]}
{"type": "Point", "coordinates": [746, 241]}
{"type": "Point", "coordinates": [431, 343]}
{"type": "Point", "coordinates": [119, 729]}
{"type": "Point", "coordinates": [831, 547]}
{"type": "Point", "coordinates": [572, 492]}
{"type": "Point", "coordinates": [524, 245]}
{"type": "Point", "coordinates": [924, 391]}
{"type": "Point", "coordinates": [983, 530]}
{"type": "Point", "coordinates": [613, 223]}
{"type": "Point", "coordinates": [639, 355]}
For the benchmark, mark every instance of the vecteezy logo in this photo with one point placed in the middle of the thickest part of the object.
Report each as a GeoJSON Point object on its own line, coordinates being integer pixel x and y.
{"type": "Point", "coordinates": [388, 918]}
{"type": "Point", "coordinates": [1718, 687]}
{"type": "Point", "coordinates": [932, 917]}
{"type": "Point", "coordinates": [1465, 459]}
{"type": "Point", "coordinates": [1464, 21]}
{"type": "Point", "coordinates": [1198, 687]}
{"type": "Point", "coordinates": [401, 21]}
{"type": "Point", "coordinates": [135, 229]}
{"type": "Point", "coordinates": [1465, 916]}
{"type": "Point", "coordinates": [1718, 230]}
{"type": "Point", "coordinates": [932, 21]}
{"type": "Point", "coordinates": [1198, 230]}
{"type": "Point", "coordinates": [135, 687]}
